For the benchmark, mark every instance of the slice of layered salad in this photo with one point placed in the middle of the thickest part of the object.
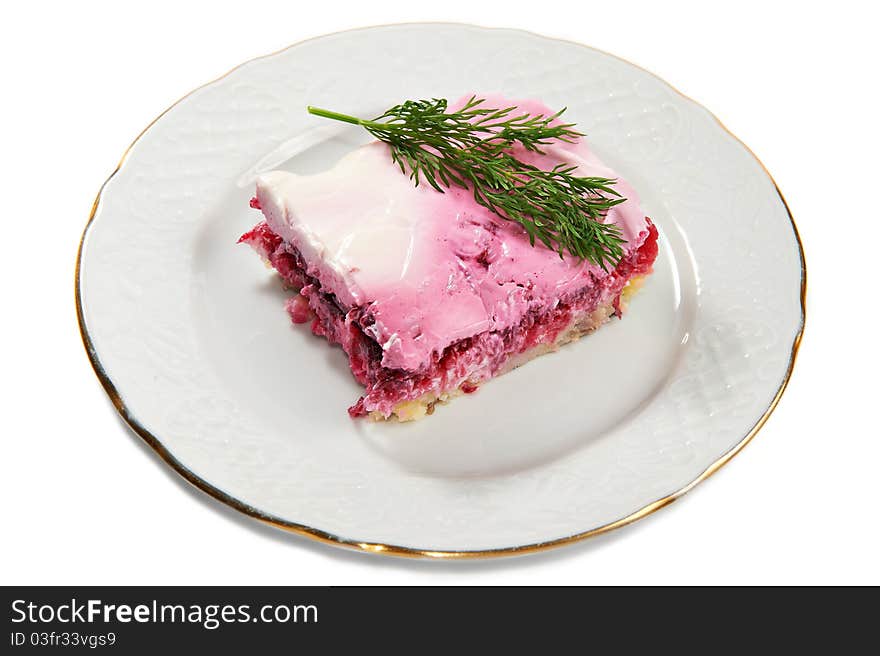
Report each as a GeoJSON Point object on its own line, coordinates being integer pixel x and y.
{"type": "Point", "coordinates": [431, 290]}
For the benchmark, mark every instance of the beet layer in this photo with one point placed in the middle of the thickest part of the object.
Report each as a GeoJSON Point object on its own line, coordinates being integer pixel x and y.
{"type": "Point", "coordinates": [462, 365]}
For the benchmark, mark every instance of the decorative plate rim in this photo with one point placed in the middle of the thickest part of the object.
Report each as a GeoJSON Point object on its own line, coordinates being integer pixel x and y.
{"type": "Point", "coordinates": [389, 549]}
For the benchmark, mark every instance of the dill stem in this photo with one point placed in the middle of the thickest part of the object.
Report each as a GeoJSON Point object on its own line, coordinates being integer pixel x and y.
{"type": "Point", "coordinates": [336, 116]}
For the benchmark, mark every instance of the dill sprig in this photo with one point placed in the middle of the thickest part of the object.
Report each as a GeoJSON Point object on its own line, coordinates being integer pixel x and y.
{"type": "Point", "coordinates": [471, 147]}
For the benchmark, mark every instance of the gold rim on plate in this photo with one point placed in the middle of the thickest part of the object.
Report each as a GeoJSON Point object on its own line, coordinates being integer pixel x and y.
{"type": "Point", "coordinates": [390, 549]}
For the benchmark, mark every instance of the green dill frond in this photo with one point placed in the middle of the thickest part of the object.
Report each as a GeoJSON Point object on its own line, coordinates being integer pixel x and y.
{"type": "Point", "coordinates": [470, 148]}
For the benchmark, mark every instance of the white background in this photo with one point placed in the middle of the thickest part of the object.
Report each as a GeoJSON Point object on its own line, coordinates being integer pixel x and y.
{"type": "Point", "coordinates": [84, 501]}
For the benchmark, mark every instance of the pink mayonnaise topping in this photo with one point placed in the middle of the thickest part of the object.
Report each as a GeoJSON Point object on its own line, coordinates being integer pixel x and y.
{"type": "Point", "coordinates": [430, 268]}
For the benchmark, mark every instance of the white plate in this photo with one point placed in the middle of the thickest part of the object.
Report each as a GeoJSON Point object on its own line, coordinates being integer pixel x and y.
{"type": "Point", "coordinates": [188, 334]}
